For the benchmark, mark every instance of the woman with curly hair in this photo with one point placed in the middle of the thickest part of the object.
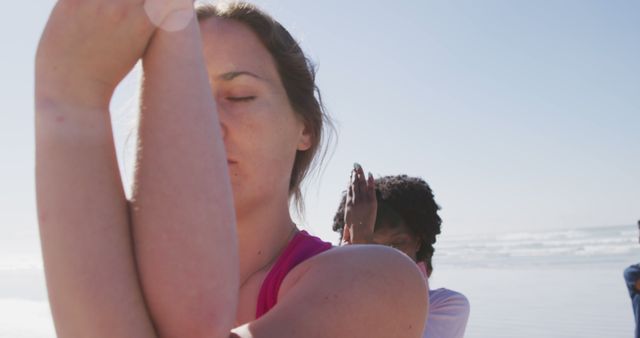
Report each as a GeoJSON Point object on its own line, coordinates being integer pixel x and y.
{"type": "Point", "coordinates": [400, 211]}
{"type": "Point", "coordinates": [230, 123]}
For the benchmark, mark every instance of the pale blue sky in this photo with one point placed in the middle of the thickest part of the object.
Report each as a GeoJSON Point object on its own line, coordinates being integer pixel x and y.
{"type": "Point", "coordinates": [522, 115]}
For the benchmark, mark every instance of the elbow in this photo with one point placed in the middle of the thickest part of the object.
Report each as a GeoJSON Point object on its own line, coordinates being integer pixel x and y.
{"type": "Point", "coordinates": [209, 314]}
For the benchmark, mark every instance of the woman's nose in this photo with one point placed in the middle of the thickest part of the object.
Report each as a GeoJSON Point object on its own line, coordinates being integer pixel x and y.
{"type": "Point", "coordinates": [222, 120]}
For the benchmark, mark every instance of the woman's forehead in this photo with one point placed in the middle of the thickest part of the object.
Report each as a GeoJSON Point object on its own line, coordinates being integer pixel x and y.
{"type": "Point", "coordinates": [231, 46]}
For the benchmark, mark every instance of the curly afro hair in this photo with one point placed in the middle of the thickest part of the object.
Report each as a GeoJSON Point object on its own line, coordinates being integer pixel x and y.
{"type": "Point", "coordinates": [406, 199]}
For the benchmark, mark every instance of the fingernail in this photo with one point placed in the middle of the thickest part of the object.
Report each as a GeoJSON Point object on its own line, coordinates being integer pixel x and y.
{"type": "Point", "coordinates": [357, 166]}
{"type": "Point", "coordinates": [370, 176]}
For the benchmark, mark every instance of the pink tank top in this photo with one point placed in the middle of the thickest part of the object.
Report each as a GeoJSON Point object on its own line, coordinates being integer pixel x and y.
{"type": "Point", "coordinates": [302, 247]}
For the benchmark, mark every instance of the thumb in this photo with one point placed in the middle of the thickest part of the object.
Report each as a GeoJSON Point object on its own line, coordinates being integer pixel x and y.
{"type": "Point", "coordinates": [346, 235]}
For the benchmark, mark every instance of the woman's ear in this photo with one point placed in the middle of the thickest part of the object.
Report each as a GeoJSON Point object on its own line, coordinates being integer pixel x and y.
{"type": "Point", "coordinates": [304, 142]}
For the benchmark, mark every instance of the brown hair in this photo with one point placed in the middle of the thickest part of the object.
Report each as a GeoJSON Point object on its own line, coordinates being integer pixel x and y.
{"type": "Point", "coordinates": [297, 74]}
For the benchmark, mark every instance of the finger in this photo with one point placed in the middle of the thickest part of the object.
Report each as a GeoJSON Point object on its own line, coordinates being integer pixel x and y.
{"type": "Point", "coordinates": [357, 195]}
{"type": "Point", "coordinates": [361, 182]}
{"type": "Point", "coordinates": [371, 187]}
{"type": "Point", "coordinates": [355, 184]}
{"type": "Point", "coordinates": [350, 189]}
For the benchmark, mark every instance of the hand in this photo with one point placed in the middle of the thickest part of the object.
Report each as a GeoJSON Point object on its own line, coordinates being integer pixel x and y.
{"type": "Point", "coordinates": [361, 206]}
{"type": "Point", "coordinates": [89, 46]}
{"type": "Point", "coordinates": [170, 15]}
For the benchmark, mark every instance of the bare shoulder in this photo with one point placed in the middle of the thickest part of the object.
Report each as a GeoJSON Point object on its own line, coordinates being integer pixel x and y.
{"type": "Point", "coordinates": [378, 265]}
{"type": "Point", "coordinates": [352, 291]}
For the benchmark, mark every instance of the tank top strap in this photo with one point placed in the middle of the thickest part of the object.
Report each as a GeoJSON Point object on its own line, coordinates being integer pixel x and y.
{"type": "Point", "coordinates": [302, 247]}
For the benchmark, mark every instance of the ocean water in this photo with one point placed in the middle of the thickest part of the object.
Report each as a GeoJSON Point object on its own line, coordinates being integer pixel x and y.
{"type": "Point", "coordinates": [587, 246]}
{"type": "Point", "coordinates": [548, 284]}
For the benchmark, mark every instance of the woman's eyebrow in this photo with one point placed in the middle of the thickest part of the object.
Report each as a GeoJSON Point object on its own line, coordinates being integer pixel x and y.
{"type": "Point", "coordinates": [234, 74]}
{"type": "Point", "coordinates": [400, 234]}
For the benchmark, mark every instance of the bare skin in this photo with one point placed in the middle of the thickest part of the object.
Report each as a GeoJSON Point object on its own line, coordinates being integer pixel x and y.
{"type": "Point", "coordinates": [176, 266]}
{"type": "Point", "coordinates": [361, 206]}
{"type": "Point", "coordinates": [86, 49]}
{"type": "Point", "coordinates": [84, 225]}
{"type": "Point", "coordinates": [183, 217]}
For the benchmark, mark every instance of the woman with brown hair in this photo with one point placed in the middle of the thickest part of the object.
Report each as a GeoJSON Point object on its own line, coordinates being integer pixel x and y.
{"type": "Point", "coordinates": [229, 127]}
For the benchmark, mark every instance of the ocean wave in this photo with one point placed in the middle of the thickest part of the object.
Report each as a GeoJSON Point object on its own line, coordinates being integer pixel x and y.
{"type": "Point", "coordinates": [606, 244]}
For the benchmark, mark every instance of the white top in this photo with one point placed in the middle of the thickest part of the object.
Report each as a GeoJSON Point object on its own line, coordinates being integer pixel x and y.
{"type": "Point", "coordinates": [448, 314]}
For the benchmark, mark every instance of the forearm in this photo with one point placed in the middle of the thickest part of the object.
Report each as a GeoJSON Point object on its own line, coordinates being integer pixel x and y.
{"type": "Point", "coordinates": [183, 213]}
{"type": "Point", "coordinates": [84, 228]}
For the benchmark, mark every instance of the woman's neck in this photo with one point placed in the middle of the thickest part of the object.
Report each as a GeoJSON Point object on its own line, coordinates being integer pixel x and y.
{"type": "Point", "coordinates": [262, 236]}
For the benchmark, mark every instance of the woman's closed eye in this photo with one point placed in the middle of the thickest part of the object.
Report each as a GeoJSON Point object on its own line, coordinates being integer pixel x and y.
{"type": "Point", "coordinates": [240, 98]}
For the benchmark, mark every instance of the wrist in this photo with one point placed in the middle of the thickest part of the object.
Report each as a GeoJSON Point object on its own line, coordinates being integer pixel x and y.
{"type": "Point", "coordinates": [361, 236]}
{"type": "Point", "coordinates": [53, 93]}
{"type": "Point", "coordinates": [171, 16]}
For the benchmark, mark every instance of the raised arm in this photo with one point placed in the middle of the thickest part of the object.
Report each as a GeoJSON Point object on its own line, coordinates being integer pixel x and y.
{"type": "Point", "coordinates": [86, 49]}
{"type": "Point", "coordinates": [182, 212]}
